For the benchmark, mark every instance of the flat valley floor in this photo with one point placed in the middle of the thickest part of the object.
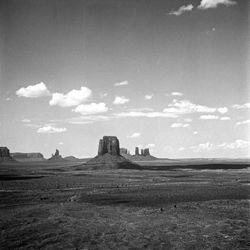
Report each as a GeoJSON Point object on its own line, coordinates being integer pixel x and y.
{"type": "Point", "coordinates": [62, 206]}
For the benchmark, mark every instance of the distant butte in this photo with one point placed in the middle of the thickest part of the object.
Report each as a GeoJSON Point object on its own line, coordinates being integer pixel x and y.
{"type": "Point", "coordinates": [109, 155]}
{"type": "Point", "coordinates": [5, 155]}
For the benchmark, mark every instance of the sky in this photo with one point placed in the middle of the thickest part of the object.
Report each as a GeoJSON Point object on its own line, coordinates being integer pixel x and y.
{"type": "Point", "coordinates": [172, 76]}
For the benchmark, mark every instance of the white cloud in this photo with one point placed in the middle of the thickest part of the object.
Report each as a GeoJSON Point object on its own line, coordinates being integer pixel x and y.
{"type": "Point", "coordinates": [60, 143]}
{"type": "Point", "coordinates": [202, 146]}
{"type": "Point", "coordinates": [243, 122]}
{"type": "Point", "coordinates": [140, 109]}
{"type": "Point", "coordinates": [182, 10]}
{"type": "Point", "coordinates": [33, 91]}
{"type": "Point", "coordinates": [92, 108]}
{"type": "Point", "coordinates": [187, 107]}
{"type": "Point", "coordinates": [87, 119]}
{"type": "Point", "coordinates": [134, 135]}
{"type": "Point", "coordinates": [102, 95]}
{"type": "Point", "coordinates": [50, 130]}
{"type": "Point", "coordinates": [150, 145]}
{"type": "Point", "coordinates": [237, 144]}
{"type": "Point", "coordinates": [120, 100]}
{"type": "Point", "coordinates": [176, 94]}
{"type": "Point", "coordinates": [208, 4]}
{"type": "Point", "coordinates": [72, 98]}
{"type": "Point", "coordinates": [26, 120]}
{"type": "Point", "coordinates": [209, 117]}
{"type": "Point", "coordinates": [225, 118]}
{"type": "Point", "coordinates": [241, 106]}
{"type": "Point", "coordinates": [121, 83]}
{"type": "Point", "coordinates": [145, 114]}
{"type": "Point", "coordinates": [181, 148]}
{"type": "Point", "coordinates": [180, 125]}
{"type": "Point", "coordinates": [148, 97]}
{"type": "Point", "coordinates": [195, 132]}
{"type": "Point", "coordinates": [222, 110]}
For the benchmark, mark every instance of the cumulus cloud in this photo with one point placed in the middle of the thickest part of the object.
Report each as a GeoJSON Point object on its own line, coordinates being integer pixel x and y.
{"type": "Point", "coordinates": [181, 10]}
{"type": "Point", "coordinates": [195, 132]}
{"type": "Point", "coordinates": [208, 4]}
{"type": "Point", "coordinates": [120, 100]}
{"type": "Point", "coordinates": [134, 135]}
{"type": "Point", "coordinates": [72, 98]}
{"type": "Point", "coordinates": [225, 118]}
{"type": "Point", "coordinates": [177, 94]}
{"type": "Point", "coordinates": [26, 120]}
{"type": "Point", "coordinates": [121, 83]}
{"type": "Point", "coordinates": [242, 122]}
{"type": "Point", "coordinates": [50, 130]}
{"type": "Point", "coordinates": [150, 145]}
{"type": "Point", "coordinates": [187, 107]}
{"type": "Point", "coordinates": [180, 125]}
{"type": "Point", "coordinates": [241, 106]}
{"type": "Point", "coordinates": [33, 91]}
{"type": "Point", "coordinates": [148, 97]}
{"type": "Point", "coordinates": [222, 110]}
{"type": "Point", "coordinates": [92, 108]}
{"type": "Point", "coordinates": [209, 117]}
{"type": "Point", "coordinates": [145, 114]}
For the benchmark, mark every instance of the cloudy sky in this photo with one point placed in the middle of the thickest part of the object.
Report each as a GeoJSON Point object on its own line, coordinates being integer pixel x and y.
{"type": "Point", "coordinates": [169, 75]}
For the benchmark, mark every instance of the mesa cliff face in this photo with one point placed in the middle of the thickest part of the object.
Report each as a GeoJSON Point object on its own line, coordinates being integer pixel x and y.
{"type": "Point", "coordinates": [26, 157]}
{"type": "Point", "coordinates": [110, 145]}
{"type": "Point", "coordinates": [5, 154]}
{"type": "Point", "coordinates": [109, 155]}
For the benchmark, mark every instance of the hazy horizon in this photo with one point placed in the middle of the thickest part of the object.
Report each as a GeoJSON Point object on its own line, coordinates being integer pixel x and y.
{"type": "Point", "coordinates": [170, 76]}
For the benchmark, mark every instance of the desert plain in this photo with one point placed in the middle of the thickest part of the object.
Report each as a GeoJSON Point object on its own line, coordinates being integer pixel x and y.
{"type": "Point", "coordinates": [160, 205]}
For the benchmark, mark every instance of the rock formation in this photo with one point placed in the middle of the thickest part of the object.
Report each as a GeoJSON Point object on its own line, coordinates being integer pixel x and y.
{"type": "Point", "coordinates": [5, 154]}
{"type": "Point", "coordinates": [109, 144]}
{"type": "Point", "coordinates": [136, 151]}
{"type": "Point", "coordinates": [26, 157]}
{"type": "Point", "coordinates": [56, 156]}
{"type": "Point", "coordinates": [144, 155]}
{"type": "Point", "coordinates": [109, 155]}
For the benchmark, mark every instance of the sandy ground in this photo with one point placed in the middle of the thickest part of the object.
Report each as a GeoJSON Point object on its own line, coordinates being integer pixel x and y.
{"type": "Point", "coordinates": [55, 206]}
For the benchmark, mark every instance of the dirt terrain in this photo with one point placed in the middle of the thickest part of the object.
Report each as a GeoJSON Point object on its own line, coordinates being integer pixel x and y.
{"type": "Point", "coordinates": [65, 206]}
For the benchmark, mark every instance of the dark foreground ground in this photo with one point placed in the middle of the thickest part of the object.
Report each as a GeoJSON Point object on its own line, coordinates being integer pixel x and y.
{"type": "Point", "coordinates": [50, 206]}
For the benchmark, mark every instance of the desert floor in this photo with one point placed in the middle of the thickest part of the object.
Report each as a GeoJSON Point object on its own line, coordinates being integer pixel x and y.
{"type": "Point", "coordinates": [61, 206]}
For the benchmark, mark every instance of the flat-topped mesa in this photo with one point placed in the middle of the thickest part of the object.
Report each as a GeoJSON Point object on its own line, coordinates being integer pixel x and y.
{"type": "Point", "coordinates": [110, 145]}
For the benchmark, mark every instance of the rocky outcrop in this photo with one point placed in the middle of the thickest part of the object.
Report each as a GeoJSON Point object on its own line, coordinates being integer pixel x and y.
{"type": "Point", "coordinates": [109, 155]}
{"type": "Point", "coordinates": [26, 157]}
{"type": "Point", "coordinates": [137, 151]}
{"type": "Point", "coordinates": [124, 151]}
{"type": "Point", "coordinates": [5, 154]}
{"type": "Point", "coordinates": [110, 145]}
{"type": "Point", "coordinates": [56, 156]}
